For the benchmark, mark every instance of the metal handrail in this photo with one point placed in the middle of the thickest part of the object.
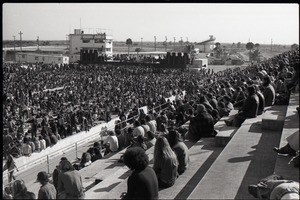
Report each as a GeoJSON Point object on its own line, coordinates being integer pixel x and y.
{"type": "Point", "coordinates": [61, 150]}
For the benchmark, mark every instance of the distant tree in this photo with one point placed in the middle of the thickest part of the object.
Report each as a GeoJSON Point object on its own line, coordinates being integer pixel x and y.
{"type": "Point", "coordinates": [294, 46]}
{"type": "Point", "coordinates": [180, 42]}
{"type": "Point", "coordinates": [233, 45]}
{"type": "Point", "coordinates": [137, 50]}
{"type": "Point", "coordinates": [189, 48]}
{"type": "Point", "coordinates": [249, 47]}
{"type": "Point", "coordinates": [217, 50]}
{"type": "Point", "coordinates": [255, 55]}
{"type": "Point", "coordinates": [170, 43]}
{"type": "Point", "coordinates": [128, 43]}
{"type": "Point", "coordinates": [238, 45]}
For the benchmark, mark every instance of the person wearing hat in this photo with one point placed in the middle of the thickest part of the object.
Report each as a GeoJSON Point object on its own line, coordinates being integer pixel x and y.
{"type": "Point", "coordinates": [47, 190]}
{"type": "Point", "coordinates": [202, 125]}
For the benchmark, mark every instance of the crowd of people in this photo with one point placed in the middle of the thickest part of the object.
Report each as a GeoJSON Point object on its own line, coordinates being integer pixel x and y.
{"type": "Point", "coordinates": [90, 92]}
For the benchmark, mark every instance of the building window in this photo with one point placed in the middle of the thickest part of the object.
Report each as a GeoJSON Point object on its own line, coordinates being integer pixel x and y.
{"type": "Point", "coordinates": [36, 58]}
{"type": "Point", "coordinates": [43, 58]}
{"type": "Point", "coordinates": [58, 59]}
{"type": "Point", "coordinates": [85, 40]}
{"type": "Point", "coordinates": [23, 56]}
{"type": "Point", "coordinates": [108, 49]}
{"type": "Point", "coordinates": [99, 41]}
{"type": "Point", "coordinates": [76, 48]}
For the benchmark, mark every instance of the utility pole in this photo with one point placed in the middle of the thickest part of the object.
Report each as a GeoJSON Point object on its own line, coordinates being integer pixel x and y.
{"type": "Point", "coordinates": [187, 39]}
{"type": "Point", "coordinates": [166, 43]}
{"type": "Point", "coordinates": [174, 43]}
{"type": "Point", "coordinates": [154, 43]}
{"type": "Point", "coordinates": [141, 43]}
{"type": "Point", "coordinates": [271, 44]}
{"type": "Point", "coordinates": [14, 43]}
{"type": "Point", "coordinates": [38, 40]}
{"type": "Point", "coordinates": [20, 40]}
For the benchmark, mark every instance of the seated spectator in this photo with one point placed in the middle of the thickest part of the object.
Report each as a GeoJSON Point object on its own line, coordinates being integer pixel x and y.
{"type": "Point", "coordinates": [151, 123]}
{"type": "Point", "coordinates": [292, 147]}
{"type": "Point", "coordinates": [249, 109]}
{"type": "Point", "coordinates": [223, 111]}
{"type": "Point", "coordinates": [111, 143]}
{"type": "Point", "coordinates": [150, 139]}
{"type": "Point", "coordinates": [42, 142]}
{"type": "Point", "coordinates": [140, 143]}
{"type": "Point", "coordinates": [97, 155]}
{"type": "Point", "coordinates": [165, 163]}
{"type": "Point", "coordinates": [202, 125]}
{"type": "Point", "coordinates": [145, 126]}
{"type": "Point", "coordinates": [27, 150]}
{"type": "Point", "coordinates": [53, 139]}
{"type": "Point", "coordinates": [37, 144]}
{"type": "Point", "coordinates": [181, 150]}
{"type": "Point", "coordinates": [275, 187]}
{"type": "Point", "coordinates": [121, 139]}
{"type": "Point", "coordinates": [142, 183]}
{"type": "Point", "coordinates": [215, 115]}
{"type": "Point", "coordinates": [268, 92]}
{"type": "Point", "coordinates": [84, 161]}
{"type": "Point", "coordinates": [138, 129]}
{"type": "Point", "coordinates": [261, 105]}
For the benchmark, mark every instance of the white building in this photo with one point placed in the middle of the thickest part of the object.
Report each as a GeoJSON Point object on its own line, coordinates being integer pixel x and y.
{"type": "Point", "coordinates": [41, 58]}
{"type": "Point", "coordinates": [100, 42]}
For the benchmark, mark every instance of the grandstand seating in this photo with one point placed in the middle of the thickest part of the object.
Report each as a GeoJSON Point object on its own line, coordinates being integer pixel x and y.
{"type": "Point", "coordinates": [247, 157]}
{"type": "Point", "coordinates": [291, 125]}
{"type": "Point", "coordinates": [225, 133]}
{"type": "Point", "coordinates": [273, 118]}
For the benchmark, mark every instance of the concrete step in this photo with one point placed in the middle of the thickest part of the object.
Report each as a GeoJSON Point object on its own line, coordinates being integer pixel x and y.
{"type": "Point", "coordinates": [110, 179]}
{"type": "Point", "coordinates": [245, 159]}
{"type": "Point", "coordinates": [273, 117]}
{"type": "Point", "coordinates": [202, 155]}
{"type": "Point", "coordinates": [224, 132]}
{"type": "Point", "coordinates": [224, 135]}
{"type": "Point", "coordinates": [291, 126]}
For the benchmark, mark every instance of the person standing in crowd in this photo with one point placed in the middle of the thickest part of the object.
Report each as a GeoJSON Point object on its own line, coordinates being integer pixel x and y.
{"type": "Point", "coordinates": [69, 182]}
{"type": "Point", "coordinates": [47, 190]}
{"type": "Point", "coordinates": [20, 191]}
{"type": "Point", "coordinates": [165, 163]}
{"type": "Point", "coordinates": [268, 92]}
{"type": "Point", "coordinates": [202, 125]}
{"type": "Point", "coordinates": [181, 150]}
{"type": "Point", "coordinates": [55, 174]}
{"type": "Point", "coordinates": [142, 183]}
{"type": "Point", "coordinates": [10, 165]}
{"type": "Point", "coordinates": [7, 140]}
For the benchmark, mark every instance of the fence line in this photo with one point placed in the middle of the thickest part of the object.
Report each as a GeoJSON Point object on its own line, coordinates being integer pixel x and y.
{"type": "Point", "coordinates": [93, 136]}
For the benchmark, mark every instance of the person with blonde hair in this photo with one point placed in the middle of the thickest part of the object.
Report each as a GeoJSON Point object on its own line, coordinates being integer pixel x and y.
{"type": "Point", "coordinates": [165, 163]}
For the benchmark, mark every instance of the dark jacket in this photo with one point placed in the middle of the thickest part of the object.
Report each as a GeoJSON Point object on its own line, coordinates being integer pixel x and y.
{"type": "Point", "coordinates": [201, 125]}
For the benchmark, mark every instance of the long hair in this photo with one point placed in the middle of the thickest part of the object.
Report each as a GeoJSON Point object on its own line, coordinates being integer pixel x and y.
{"type": "Point", "coordinates": [19, 187]}
{"type": "Point", "coordinates": [162, 150]}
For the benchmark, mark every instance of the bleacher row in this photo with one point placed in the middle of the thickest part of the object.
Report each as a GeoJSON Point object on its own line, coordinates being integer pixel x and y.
{"type": "Point", "coordinates": [220, 167]}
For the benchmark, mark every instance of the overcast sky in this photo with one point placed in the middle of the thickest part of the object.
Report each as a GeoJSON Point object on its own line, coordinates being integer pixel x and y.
{"type": "Point", "coordinates": [229, 23]}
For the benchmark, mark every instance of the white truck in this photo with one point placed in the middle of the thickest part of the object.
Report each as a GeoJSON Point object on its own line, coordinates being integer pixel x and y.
{"type": "Point", "coordinates": [199, 63]}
